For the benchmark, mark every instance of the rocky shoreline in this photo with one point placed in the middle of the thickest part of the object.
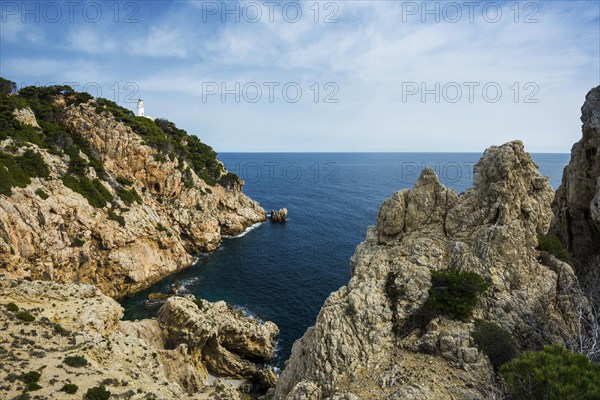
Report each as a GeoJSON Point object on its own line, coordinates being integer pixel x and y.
{"type": "Point", "coordinates": [177, 355]}
{"type": "Point", "coordinates": [377, 338]}
{"type": "Point", "coordinates": [169, 212]}
{"type": "Point", "coordinates": [382, 336]}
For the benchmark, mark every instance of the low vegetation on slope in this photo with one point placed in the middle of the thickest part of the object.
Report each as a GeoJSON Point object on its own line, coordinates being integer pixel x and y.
{"type": "Point", "coordinates": [553, 373]}
{"type": "Point", "coordinates": [551, 244]}
{"type": "Point", "coordinates": [16, 170]}
{"type": "Point", "coordinates": [169, 140]}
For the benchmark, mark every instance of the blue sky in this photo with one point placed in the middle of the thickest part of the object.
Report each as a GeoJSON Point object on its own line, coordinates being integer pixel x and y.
{"type": "Point", "coordinates": [323, 75]}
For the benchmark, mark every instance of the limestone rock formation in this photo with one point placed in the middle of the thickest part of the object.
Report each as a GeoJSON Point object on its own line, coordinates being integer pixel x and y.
{"type": "Point", "coordinates": [50, 232]}
{"type": "Point", "coordinates": [26, 116]}
{"type": "Point", "coordinates": [133, 359]}
{"type": "Point", "coordinates": [355, 349]}
{"type": "Point", "coordinates": [220, 337]}
{"type": "Point", "coordinates": [279, 216]}
{"type": "Point", "coordinates": [577, 203]}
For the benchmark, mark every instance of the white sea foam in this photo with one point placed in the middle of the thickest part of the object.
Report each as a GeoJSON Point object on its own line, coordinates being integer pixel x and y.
{"type": "Point", "coordinates": [183, 286]}
{"type": "Point", "coordinates": [247, 313]}
{"type": "Point", "coordinates": [248, 229]}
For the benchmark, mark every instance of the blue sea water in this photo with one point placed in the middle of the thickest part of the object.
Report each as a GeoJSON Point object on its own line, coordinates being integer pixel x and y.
{"type": "Point", "coordinates": [284, 272]}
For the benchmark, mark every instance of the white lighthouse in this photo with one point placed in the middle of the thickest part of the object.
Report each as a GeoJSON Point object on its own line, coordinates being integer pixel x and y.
{"type": "Point", "coordinates": [140, 108]}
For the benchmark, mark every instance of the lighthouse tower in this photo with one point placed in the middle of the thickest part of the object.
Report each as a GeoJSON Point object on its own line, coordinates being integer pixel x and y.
{"type": "Point", "coordinates": [140, 108]}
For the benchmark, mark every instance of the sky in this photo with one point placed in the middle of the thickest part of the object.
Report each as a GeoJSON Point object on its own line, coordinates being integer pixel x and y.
{"type": "Point", "coordinates": [289, 76]}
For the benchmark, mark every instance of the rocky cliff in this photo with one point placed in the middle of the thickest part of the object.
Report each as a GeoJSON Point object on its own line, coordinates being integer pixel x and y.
{"type": "Point", "coordinates": [362, 345]}
{"type": "Point", "coordinates": [112, 206]}
{"type": "Point", "coordinates": [577, 202]}
{"type": "Point", "coordinates": [72, 334]}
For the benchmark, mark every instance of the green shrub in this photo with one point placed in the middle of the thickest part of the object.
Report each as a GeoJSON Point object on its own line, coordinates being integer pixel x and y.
{"type": "Point", "coordinates": [33, 164]}
{"type": "Point", "coordinates": [93, 190]}
{"type": "Point", "coordinates": [25, 316]}
{"type": "Point", "coordinates": [7, 87]}
{"type": "Point", "coordinates": [129, 196]}
{"type": "Point", "coordinates": [552, 244]}
{"type": "Point", "coordinates": [230, 180]}
{"type": "Point", "coordinates": [169, 141]}
{"type": "Point", "coordinates": [160, 227]}
{"type": "Point", "coordinates": [77, 164]}
{"type": "Point", "coordinates": [124, 181]}
{"type": "Point", "coordinates": [43, 195]}
{"type": "Point", "coordinates": [97, 393]}
{"type": "Point", "coordinates": [11, 128]}
{"type": "Point", "coordinates": [60, 330]}
{"type": "Point", "coordinates": [32, 387]}
{"type": "Point", "coordinates": [77, 242]}
{"type": "Point", "coordinates": [54, 135]}
{"type": "Point", "coordinates": [30, 380]}
{"type": "Point", "coordinates": [75, 361]}
{"type": "Point", "coordinates": [69, 388]}
{"type": "Point", "coordinates": [112, 215]}
{"type": "Point", "coordinates": [454, 293]}
{"type": "Point", "coordinates": [12, 307]}
{"type": "Point", "coordinates": [17, 171]}
{"type": "Point", "coordinates": [553, 373]}
{"type": "Point", "coordinates": [30, 377]}
{"type": "Point", "coordinates": [495, 342]}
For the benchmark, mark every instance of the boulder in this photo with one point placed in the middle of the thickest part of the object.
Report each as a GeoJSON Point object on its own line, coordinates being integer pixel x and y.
{"type": "Point", "coordinates": [279, 216]}
{"type": "Point", "coordinates": [227, 342]}
{"type": "Point", "coordinates": [179, 355]}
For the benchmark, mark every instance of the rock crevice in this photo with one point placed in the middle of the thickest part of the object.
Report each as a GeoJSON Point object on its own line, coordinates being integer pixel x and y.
{"type": "Point", "coordinates": [354, 350]}
{"type": "Point", "coordinates": [577, 203]}
{"type": "Point", "coordinates": [174, 356]}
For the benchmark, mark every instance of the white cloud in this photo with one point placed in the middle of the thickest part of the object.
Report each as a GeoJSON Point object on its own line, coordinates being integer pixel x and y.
{"type": "Point", "coordinates": [54, 71]}
{"type": "Point", "coordinates": [92, 41]}
{"type": "Point", "coordinates": [369, 53]}
{"type": "Point", "coordinates": [162, 42]}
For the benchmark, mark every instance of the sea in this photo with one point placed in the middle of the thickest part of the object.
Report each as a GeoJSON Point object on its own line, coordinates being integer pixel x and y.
{"type": "Point", "coordinates": [283, 272]}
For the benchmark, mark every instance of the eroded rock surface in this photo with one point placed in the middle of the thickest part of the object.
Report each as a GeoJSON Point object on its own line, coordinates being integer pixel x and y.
{"type": "Point", "coordinates": [220, 338]}
{"type": "Point", "coordinates": [133, 359]}
{"type": "Point", "coordinates": [356, 350]}
{"type": "Point", "coordinates": [279, 215]}
{"type": "Point", "coordinates": [59, 236]}
{"type": "Point", "coordinates": [577, 202]}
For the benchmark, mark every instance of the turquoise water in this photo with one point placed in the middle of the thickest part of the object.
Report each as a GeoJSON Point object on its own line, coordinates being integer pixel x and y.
{"type": "Point", "coordinates": [284, 272]}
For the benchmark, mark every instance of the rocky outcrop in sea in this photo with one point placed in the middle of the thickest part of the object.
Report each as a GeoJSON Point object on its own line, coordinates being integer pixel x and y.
{"type": "Point", "coordinates": [280, 215]}
{"type": "Point", "coordinates": [577, 203]}
{"type": "Point", "coordinates": [363, 344]}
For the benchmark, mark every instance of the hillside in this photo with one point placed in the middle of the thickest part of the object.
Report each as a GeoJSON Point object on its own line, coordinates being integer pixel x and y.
{"type": "Point", "coordinates": [62, 341]}
{"type": "Point", "coordinates": [90, 193]}
{"type": "Point", "coordinates": [445, 289]}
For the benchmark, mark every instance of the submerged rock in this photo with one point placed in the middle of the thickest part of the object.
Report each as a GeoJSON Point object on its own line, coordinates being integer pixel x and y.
{"type": "Point", "coordinates": [356, 350]}
{"type": "Point", "coordinates": [279, 216]}
{"type": "Point", "coordinates": [577, 203]}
